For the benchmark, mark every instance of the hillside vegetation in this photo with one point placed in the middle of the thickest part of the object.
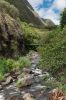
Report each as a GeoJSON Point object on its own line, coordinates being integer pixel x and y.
{"type": "Point", "coordinates": [28, 14]}
{"type": "Point", "coordinates": [53, 50]}
{"type": "Point", "coordinates": [22, 30]}
{"type": "Point", "coordinates": [11, 37]}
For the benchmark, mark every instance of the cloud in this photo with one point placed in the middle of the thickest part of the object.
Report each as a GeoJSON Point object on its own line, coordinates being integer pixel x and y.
{"type": "Point", "coordinates": [52, 12]}
{"type": "Point", "coordinates": [35, 3]}
{"type": "Point", "coordinates": [49, 14]}
{"type": "Point", "coordinates": [60, 4]}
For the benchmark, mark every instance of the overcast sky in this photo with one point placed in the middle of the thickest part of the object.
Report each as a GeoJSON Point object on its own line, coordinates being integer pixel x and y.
{"type": "Point", "coordinates": [50, 9]}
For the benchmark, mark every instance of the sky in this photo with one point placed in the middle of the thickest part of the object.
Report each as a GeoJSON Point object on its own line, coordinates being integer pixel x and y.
{"type": "Point", "coordinates": [49, 9]}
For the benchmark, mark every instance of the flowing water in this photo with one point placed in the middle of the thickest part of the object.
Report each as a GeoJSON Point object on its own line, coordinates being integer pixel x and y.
{"type": "Point", "coordinates": [38, 89]}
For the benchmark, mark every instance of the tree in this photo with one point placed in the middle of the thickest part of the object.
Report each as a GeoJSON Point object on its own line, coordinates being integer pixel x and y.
{"type": "Point", "coordinates": [63, 18]}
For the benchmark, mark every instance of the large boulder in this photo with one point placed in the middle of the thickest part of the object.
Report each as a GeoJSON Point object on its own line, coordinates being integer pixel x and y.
{"type": "Point", "coordinates": [25, 80]}
{"type": "Point", "coordinates": [8, 81]}
{"type": "Point", "coordinates": [56, 94]}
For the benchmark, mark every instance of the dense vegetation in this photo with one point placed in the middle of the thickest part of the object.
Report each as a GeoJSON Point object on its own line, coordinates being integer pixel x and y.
{"type": "Point", "coordinates": [53, 50]}
{"type": "Point", "coordinates": [32, 35]}
{"type": "Point", "coordinates": [9, 65]}
{"type": "Point", "coordinates": [63, 18]}
{"type": "Point", "coordinates": [50, 43]}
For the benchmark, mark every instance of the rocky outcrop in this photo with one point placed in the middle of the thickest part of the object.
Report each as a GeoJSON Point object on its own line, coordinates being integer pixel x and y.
{"type": "Point", "coordinates": [56, 94]}
{"type": "Point", "coordinates": [11, 37]}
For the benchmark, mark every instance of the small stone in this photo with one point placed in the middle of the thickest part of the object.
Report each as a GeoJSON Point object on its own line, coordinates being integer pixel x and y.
{"type": "Point", "coordinates": [28, 96]}
{"type": "Point", "coordinates": [8, 81]}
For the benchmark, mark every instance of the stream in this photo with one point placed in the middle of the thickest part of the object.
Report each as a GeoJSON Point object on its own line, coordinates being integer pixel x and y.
{"type": "Point", "coordinates": [38, 89]}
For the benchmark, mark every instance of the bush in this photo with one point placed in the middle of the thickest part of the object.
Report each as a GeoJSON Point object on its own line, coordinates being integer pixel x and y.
{"type": "Point", "coordinates": [3, 66]}
{"type": "Point", "coordinates": [24, 62]}
{"type": "Point", "coordinates": [31, 35]}
{"type": "Point", "coordinates": [1, 77]}
{"type": "Point", "coordinates": [10, 9]}
{"type": "Point", "coordinates": [10, 64]}
{"type": "Point", "coordinates": [63, 18]}
{"type": "Point", "coordinates": [53, 50]}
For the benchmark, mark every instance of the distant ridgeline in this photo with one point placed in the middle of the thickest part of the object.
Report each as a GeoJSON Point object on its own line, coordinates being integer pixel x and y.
{"type": "Point", "coordinates": [27, 14]}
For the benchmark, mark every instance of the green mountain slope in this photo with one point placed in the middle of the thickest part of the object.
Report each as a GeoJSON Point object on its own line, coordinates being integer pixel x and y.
{"type": "Point", "coordinates": [27, 13]}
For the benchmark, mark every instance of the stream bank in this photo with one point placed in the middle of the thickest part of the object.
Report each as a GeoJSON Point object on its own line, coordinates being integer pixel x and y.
{"type": "Point", "coordinates": [33, 83]}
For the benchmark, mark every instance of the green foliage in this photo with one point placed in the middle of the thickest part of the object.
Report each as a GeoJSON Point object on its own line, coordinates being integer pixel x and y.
{"type": "Point", "coordinates": [64, 88]}
{"type": "Point", "coordinates": [3, 66]}
{"type": "Point", "coordinates": [1, 77]}
{"type": "Point", "coordinates": [63, 18]}
{"type": "Point", "coordinates": [53, 50]}
{"type": "Point", "coordinates": [8, 8]}
{"type": "Point", "coordinates": [10, 64]}
{"type": "Point", "coordinates": [24, 62]}
{"type": "Point", "coordinates": [32, 35]}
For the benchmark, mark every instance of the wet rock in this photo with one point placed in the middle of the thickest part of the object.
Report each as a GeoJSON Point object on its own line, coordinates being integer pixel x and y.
{"type": "Point", "coordinates": [38, 88]}
{"type": "Point", "coordinates": [2, 97]}
{"type": "Point", "coordinates": [16, 98]}
{"type": "Point", "coordinates": [28, 96]}
{"type": "Point", "coordinates": [8, 81]}
{"type": "Point", "coordinates": [37, 71]}
{"type": "Point", "coordinates": [26, 80]}
{"type": "Point", "coordinates": [56, 94]}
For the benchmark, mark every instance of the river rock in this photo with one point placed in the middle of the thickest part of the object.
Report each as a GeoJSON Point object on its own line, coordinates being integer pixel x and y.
{"type": "Point", "coordinates": [16, 98]}
{"type": "Point", "coordinates": [38, 88]}
{"type": "Point", "coordinates": [37, 71]}
{"type": "Point", "coordinates": [8, 81]}
{"type": "Point", "coordinates": [2, 97]}
{"type": "Point", "coordinates": [56, 94]}
{"type": "Point", "coordinates": [28, 96]}
{"type": "Point", "coordinates": [26, 80]}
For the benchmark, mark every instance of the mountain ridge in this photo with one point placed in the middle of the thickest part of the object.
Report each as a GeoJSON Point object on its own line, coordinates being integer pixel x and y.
{"type": "Point", "coordinates": [28, 14]}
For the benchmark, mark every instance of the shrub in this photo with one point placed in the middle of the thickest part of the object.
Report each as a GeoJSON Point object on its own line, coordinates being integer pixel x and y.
{"type": "Point", "coordinates": [63, 18]}
{"type": "Point", "coordinates": [3, 66]}
{"type": "Point", "coordinates": [1, 77]}
{"type": "Point", "coordinates": [24, 62]}
{"type": "Point", "coordinates": [10, 64]}
{"type": "Point", "coordinates": [10, 9]}
{"type": "Point", "coordinates": [53, 50]}
{"type": "Point", "coordinates": [31, 36]}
